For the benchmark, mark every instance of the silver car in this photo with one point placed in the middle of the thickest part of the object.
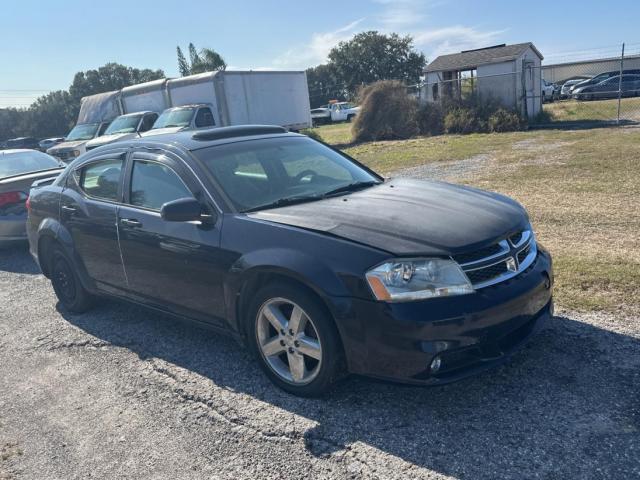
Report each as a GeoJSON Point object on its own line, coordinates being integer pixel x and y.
{"type": "Point", "coordinates": [19, 169]}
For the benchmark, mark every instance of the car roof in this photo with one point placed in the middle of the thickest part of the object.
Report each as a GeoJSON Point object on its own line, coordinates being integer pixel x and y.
{"type": "Point", "coordinates": [18, 150]}
{"type": "Point", "coordinates": [193, 140]}
{"type": "Point", "coordinates": [133, 114]}
{"type": "Point", "coordinates": [189, 105]}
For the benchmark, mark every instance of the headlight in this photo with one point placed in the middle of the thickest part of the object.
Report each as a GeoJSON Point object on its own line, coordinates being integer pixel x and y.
{"type": "Point", "coordinates": [415, 279]}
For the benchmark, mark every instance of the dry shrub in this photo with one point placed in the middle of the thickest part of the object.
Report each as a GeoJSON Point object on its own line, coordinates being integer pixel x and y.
{"type": "Point", "coordinates": [503, 120]}
{"type": "Point", "coordinates": [387, 113]}
{"type": "Point", "coordinates": [431, 119]}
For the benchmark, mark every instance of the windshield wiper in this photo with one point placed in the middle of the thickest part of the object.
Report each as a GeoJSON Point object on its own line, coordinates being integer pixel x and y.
{"type": "Point", "coordinates": [351, 187]}
{"type": "Point", "coordinates": [171, 125]}
{"type": "Point", "coordinates": [283, 202]}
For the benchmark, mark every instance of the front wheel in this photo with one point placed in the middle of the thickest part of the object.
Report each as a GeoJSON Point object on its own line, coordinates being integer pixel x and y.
{"type": "Point", "coordinates": [66, 283]}
{"type": "Point", "coordinates": [295, 339]}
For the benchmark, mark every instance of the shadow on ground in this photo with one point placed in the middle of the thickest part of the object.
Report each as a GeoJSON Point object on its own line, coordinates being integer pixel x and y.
{"type": "Point", "coordinates": [566, 406]}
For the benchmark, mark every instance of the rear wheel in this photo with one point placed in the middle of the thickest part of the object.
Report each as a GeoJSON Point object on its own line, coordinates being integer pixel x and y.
{"type": "Point", "coordinates": [66, 283]}
{"type": "Point", "coordinates": [295, 339]}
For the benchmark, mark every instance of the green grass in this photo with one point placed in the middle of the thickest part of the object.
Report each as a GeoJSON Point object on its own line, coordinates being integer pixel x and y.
{"type": "Point", "coordinates": [597, 110]}
{"type": "Point", "coordinates": [581, 189]}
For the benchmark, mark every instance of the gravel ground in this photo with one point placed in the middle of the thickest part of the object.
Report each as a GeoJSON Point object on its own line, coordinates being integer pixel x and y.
{"type": "Point", "coordinates": [122, 392]}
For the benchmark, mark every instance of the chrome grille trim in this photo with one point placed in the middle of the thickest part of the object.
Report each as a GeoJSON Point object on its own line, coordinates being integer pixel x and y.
{"type": "Point", "coordinates": [509, 251]}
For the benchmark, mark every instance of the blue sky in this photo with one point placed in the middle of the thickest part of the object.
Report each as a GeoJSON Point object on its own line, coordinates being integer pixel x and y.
{"type": "Point", "coordinates": [42, 44]}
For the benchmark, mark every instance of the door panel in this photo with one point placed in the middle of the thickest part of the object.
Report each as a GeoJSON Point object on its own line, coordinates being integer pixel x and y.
{"type": "Point", "coordinates": [173, 264]}
{"type": "Point", "coordinates": [92, 220]}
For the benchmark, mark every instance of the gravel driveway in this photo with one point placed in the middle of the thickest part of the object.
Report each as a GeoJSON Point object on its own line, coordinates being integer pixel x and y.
{"type": "Point", "coordinates": [126, 393]}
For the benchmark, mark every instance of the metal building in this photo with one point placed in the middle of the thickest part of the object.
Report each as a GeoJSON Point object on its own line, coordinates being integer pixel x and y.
{"type": "Point", "coordinates": [560, 72]}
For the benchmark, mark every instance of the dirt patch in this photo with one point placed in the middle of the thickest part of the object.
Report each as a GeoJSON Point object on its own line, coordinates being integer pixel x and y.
{"type": "Point", "coordinates": [454, 170]}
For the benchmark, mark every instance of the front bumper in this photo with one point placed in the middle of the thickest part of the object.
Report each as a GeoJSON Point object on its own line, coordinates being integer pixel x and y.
{"type": "Point", "coordinates": [469, 333]}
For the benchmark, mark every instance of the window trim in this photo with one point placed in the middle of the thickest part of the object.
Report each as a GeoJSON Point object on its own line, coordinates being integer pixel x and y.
{"type": "Point", "coordinates": [147, 158]}
{"type": "Point", "coordinates": [195, 117]}
{"type": "Point", "coordinates": [77, 175]}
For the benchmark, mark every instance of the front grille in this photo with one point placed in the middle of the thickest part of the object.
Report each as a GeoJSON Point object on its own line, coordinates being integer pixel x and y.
{"type": "Point", "coordinates": [516, 238]}
{"type": "Point", "coordinates": [522, 254]}
{"type": "Point", "coordinates": [478, 254]}
{"type": "Point", "coordinates": [485, 274]}
{"type": "Point", "coordinates": [498, 262]}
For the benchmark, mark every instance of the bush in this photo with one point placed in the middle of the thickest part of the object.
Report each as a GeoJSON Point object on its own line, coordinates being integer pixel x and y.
{"type": "Point", "coordinates": [504, 121]}
{"type": "Point", "coordinates": [386, 113]}
{"type": "Point", "coordinates": [462, 120]}
{"type": "Point", "coordinates": [431, 119]}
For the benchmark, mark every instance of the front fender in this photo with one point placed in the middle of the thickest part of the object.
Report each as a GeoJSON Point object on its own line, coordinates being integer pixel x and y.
{"type": "Point", "coordinates": [300, 267]}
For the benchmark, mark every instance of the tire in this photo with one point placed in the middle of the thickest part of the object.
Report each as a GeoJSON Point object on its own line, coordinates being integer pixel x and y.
{"type": "Point", "coordinates": [544, 97]}
{"type": "Point", "coordinates": [350, 118]}
{"type": "Point", "coordinates": [66, 283]}
{"type": "Point", "coordinates": [314, 347]}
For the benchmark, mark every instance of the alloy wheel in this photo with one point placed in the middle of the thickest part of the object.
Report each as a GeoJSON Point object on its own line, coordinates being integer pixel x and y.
{"type": "Point", "coordinates": [289, 341]}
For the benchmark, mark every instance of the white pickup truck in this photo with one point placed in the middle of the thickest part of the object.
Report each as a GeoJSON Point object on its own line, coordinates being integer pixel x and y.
{"type": "Point", "coordinates": [334, 112]}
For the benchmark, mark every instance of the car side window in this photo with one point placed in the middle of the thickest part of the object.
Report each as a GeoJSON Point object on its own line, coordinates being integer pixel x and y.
{"type": "Point", "coordinates": [204, 118]}
{"type": "Point", "coordinates": [101, 179]}
{"type": "Point", "coordinates": [148, 121]}
{"type": "Point", "coordinates": [154, 184]}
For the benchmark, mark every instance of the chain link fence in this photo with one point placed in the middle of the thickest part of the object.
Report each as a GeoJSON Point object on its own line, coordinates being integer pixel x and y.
{"type": "Point", "coordinates": [599, 87]}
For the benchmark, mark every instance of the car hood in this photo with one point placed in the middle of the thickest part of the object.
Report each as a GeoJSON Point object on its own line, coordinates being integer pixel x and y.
{"type": "Point", "coordinates": [160, 131]}
{"type": "Point", "coordinates": [67, 145]}
{"type": "Point", "coordinates": [410, 217]}
{"type": "Point", "coordinates": [105, 139]}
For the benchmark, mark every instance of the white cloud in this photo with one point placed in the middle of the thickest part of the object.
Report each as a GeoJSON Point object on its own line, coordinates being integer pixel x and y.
{"type": "Point", "coordinates": [317, 50]}
{"type": "Point", "coordinates": [454, 39]}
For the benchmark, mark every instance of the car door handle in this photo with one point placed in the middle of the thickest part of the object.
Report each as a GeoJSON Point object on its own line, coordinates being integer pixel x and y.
{"type": "Point", "coordinates": [68, 210]}
{"type": "Point", "coordinates": [130, 222]}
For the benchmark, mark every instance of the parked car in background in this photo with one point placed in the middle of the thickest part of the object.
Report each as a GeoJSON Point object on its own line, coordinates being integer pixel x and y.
{"type": "Point", "coordinates": [124, 127]}
{"type": "Point", "coordinates": [334, 112]}
{"type": "Point", "coordinates": [565, 92]}
{"type": "Point", "coordinates": [186, 117]}
{"type": "Point", "coordinates": [19, 169]}
{"type": "Point", "coordinates": [547, 91]}
{"type": "Point", "coordinates": [610, 88]}
{"type": "Point", "coordinates": [602, 77]}
{"type": "Point", "coordinates": [76, 141]}
{"type": "Point", "coordinates": [314, 261]}
{"type": "Point", "coordinates": [47, 143]}
{"type": "Point", "coordinates": [22, 142]}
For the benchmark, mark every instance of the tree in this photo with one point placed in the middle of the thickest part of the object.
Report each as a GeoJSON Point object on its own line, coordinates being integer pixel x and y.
{"type": "Point", "coordinates": [372, 56]}
{"type": "Point", "coordinates": [205, 60]}
{"type": "Point", "coordinates": [56, 112]}
{"type": "Point", "coordinates": [112, 76]}
{"type": "Point", "coordinates": [324, 85]}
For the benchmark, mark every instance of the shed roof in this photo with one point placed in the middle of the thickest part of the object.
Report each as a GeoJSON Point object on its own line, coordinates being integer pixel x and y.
{"type": "Point", "coordinates": [482, 56]}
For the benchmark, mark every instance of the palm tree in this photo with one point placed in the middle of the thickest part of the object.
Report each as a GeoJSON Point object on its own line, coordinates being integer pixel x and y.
{"type": "Point", "coordinates": [206, 60]}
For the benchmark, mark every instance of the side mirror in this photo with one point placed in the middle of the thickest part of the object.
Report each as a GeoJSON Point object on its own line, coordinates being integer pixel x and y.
{"type": "Point", "coordinates": [181, 210]}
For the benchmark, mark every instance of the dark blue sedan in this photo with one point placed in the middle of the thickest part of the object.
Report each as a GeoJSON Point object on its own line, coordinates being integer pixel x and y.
{"type": "Point", "coordinates": [316, 263]}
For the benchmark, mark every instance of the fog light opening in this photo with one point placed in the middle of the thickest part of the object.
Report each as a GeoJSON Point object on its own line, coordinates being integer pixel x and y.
{"type": "Point", "coordinates": [435, 365]}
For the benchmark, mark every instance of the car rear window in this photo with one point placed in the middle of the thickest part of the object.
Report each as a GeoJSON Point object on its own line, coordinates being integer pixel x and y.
{"type": "Point", "coordinates": [18, 163]}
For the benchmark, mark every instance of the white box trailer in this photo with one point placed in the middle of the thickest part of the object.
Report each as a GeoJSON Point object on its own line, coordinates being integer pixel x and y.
{"type": "Point", "coordinates": [235, 97]}
{"type": "Point", "coordinates": [149, 96]}
{"type": "Point", "coordinates": [247, 97]}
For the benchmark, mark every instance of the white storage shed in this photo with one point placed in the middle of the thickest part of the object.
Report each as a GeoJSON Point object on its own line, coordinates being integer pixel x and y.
{"type": "Point", "coordinates": [510, 74]}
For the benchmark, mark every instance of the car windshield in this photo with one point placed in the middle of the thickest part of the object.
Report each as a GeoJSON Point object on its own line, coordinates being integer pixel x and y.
{"type": "Point", "coordinates": [178, 117]}
{"type": "Point", "coordinates": [273, 172]}
{"type": "Point", "coordinates": [123, 124]}
{"type": "Point", "coordinates": [17, 163]}
{"type": "Point", "coordinates": [83, 132]}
